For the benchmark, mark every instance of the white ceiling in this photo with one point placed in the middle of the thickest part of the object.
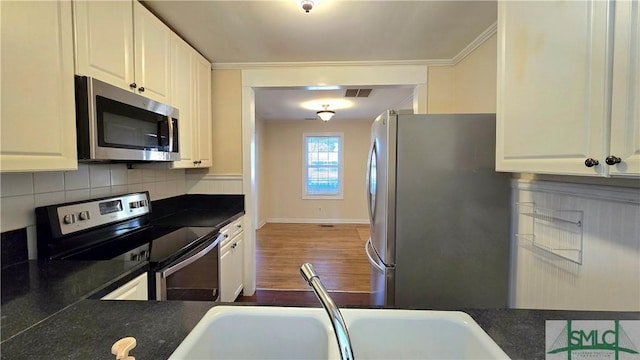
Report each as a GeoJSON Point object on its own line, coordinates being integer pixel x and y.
{"type": "Point", "coordinates": [275, 31]}
{"type": "Point", "coordinates": [299, 104]}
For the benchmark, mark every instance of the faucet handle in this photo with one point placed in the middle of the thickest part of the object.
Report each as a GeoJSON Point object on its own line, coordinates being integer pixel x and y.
{"type": "Point", "coordinates": [308, 273]}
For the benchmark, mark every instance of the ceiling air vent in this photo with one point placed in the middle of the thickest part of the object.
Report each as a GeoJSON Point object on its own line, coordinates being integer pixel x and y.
{"type": "Point", "coordinates": [310, 118]}
{"type": "Point", "coordinates": [357, 92]}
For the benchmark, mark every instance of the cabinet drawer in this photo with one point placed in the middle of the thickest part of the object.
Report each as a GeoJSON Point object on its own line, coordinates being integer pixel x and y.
{"type": "Point", "coordinates": [136, 289]}
{"type": "Point", "coordinates": [231, 230]}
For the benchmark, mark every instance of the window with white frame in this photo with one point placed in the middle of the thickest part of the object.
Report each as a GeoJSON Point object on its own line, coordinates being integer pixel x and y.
{"type": "Point", "coordinates": [322, 166]}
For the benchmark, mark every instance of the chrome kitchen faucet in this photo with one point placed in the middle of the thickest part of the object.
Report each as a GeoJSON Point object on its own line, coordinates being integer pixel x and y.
{"type": "Point", "coordinates": [339, 327]}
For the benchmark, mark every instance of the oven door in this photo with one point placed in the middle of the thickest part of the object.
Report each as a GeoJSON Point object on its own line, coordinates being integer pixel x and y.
{"type": "Point", "coordinates": [194, 276]}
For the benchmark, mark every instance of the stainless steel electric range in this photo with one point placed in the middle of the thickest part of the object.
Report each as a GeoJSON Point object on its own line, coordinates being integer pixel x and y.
{"type": "Point", "coordinates": [183, 262]}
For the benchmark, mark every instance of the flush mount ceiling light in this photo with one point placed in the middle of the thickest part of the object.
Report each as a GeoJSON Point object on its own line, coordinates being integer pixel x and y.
{"type": "Point", "coordinates": [307, 5]}
{"type": "Point", "coordinates": [326, 114]}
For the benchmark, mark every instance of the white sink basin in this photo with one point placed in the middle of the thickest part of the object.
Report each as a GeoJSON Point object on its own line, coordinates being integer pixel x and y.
{"type": "Point", "coordinates": [262, 332]}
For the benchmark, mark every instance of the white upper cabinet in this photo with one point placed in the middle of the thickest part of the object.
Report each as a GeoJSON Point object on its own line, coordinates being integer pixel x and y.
{"type": "Point", "coordinates": [625, 110]}
{"type": "Point", "coordinates": [104, 41]}
{"type": "Point", "coordinates": [553, 71]}
{"type": "Point", "coordinates": [124, 44]}
{"type": "Point", "coordinates": [38, 105]}
{"type": "Point", "coordinates": [153, 54]}
{"type": "Point", "coordinates": [183, 74]}
{"type": "Point", "coordinates": [569, 87]}
{"type": "Point", "coordinates": [191, 94]}
{"type": "Point", "coordinates": [203, 110]}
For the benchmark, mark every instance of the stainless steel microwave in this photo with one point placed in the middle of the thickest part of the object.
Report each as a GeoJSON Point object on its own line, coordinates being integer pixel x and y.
{"type": "Point", "coordinates": [114, 124]}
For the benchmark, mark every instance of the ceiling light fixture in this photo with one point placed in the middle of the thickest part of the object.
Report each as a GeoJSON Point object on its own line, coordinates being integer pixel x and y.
{"type": "Point", "coordinates": [307, 5]}
{"type": "Point", "coordinates": [326, 114]}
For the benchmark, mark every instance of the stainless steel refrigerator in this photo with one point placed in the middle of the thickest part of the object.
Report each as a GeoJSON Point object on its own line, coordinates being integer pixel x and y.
{"type": "Point", "coordinates": [439, 212]}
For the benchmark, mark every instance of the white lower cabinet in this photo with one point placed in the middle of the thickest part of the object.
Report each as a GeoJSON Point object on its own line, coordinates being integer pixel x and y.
{"type": "Point", "coordinates": [232, 262]}
{"type": "Point", "coordinates": [136, 289]}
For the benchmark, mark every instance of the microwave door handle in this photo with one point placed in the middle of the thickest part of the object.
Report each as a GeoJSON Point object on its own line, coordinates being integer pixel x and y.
{"type": "Point", "coordinates": [170, 124]}
{"type": "Point", "coordinates": [191, 259]}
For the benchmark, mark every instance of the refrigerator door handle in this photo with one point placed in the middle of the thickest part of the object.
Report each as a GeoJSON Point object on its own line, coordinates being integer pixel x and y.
{"type": "Point", "coordinates": [367, 245]}
{"type": "Point", "coordinates": [370, 205]}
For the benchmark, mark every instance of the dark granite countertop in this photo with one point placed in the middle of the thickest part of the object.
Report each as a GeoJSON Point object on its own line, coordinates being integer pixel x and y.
{"type": "Point", "coordinates": [32, 291]}
{"type": "Point", "coordinates": [198, 210]}
{"type": "Point", "coordinates": [48, 311]}
{"type": "Point", "coordinates": [87, 329]}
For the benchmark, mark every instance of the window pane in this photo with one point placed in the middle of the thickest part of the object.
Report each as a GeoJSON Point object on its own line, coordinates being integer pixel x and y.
{"type": "Point", "coordinates": [323, 165]}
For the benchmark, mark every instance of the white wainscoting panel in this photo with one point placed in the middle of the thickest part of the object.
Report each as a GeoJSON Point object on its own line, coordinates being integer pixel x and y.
{"type": "Point", "coordinates": [609, 276]}
{"type": "Point", "coordinates": [214, 184]}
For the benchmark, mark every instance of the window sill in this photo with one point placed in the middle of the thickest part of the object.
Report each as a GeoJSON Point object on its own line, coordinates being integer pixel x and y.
{"type": "Point", "coordinates": [322, 197]}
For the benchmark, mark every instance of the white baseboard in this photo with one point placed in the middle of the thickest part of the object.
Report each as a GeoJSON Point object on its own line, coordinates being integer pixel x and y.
{"type": "Point", "coordinates": [316, 221]}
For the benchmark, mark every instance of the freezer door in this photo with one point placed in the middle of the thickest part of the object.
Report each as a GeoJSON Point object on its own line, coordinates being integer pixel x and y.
{"type": "Point", "coordinates": [382, 279]}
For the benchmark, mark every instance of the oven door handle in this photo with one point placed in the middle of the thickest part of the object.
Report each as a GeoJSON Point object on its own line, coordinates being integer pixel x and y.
{"type": "Point", "coordinates": [191, 259]}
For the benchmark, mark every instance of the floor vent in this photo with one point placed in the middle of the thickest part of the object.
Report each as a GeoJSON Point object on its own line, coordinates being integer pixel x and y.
{"type": "Point", "coordinates": [326, 225]}
{"type": "Point", "coordinates": [357, 92]}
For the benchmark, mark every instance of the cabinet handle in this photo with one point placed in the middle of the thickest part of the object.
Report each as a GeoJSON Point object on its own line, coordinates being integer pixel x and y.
{"type": "Point", "coordinates": [195, 163]}
{"type": "Point", "coordinates": [141, 89]}
{"type": "Point", "coordinates": [591, 162]}
{"type": "Point", "coordinates": [133, 85]}
{"type": "Point", "coordinates": [612, 160]}
{"type": "Point", "coordinates": [234, 245]}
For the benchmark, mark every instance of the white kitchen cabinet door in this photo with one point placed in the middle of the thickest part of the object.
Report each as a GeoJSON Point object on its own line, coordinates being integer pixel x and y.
{"type": "Point", "coordinates": [226, 277]}
{"type": "Point", "coordinates": [232, 261]}
{"type": "Point", "coordinates": [152, 55]}
{"type": "Point", "coordinates": [183, 96]}
{"type": "Point", "coordinates": [238, 263]}
{"type": "Point", "coordinates": [136, 289]}
{"type": "Point", "coordinates": [38, 103]}
{"type": "Point", "coordinates": [104, 41]}
{"type": "Point", "coordinates": [203, 111]}
{"type": "Point", "coordinates": [191, 93]}
{"type": "Point", "coordinates": [553, 70]}
{"type": "Point", "coordinates": [625, 109]}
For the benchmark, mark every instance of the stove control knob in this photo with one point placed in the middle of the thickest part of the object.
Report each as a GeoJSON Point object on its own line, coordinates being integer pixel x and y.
{"type": "Point", "coordinates": [69, 218]}
{"type": "Point", "coordinates": [84, 215]}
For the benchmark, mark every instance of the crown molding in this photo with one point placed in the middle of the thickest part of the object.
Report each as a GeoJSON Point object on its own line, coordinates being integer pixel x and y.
{"type": "Point", "coordinates": [484, 36]}
{"type": "Point", "coordinates": [303, 64]}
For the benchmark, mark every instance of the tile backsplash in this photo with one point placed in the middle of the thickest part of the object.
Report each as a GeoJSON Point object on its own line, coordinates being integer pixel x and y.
{"type": "Point", "coordinates": [21, 193]}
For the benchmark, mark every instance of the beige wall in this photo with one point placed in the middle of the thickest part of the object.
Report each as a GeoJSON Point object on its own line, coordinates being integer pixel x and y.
{"type": "Point", "coordinates": [440, 90]}
{"type": "Point", "coordinates": [261, 170]}
{"type": "Point", "coordinates": [282, 170]}
{"type": "Point", "coordinates": [467, 87]}
{"type": "Point", "coordinates": [226, 101]}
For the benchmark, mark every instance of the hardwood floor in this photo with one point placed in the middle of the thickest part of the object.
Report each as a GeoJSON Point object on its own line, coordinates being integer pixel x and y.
{"type": "Point", "coordinates": [336, 252]}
